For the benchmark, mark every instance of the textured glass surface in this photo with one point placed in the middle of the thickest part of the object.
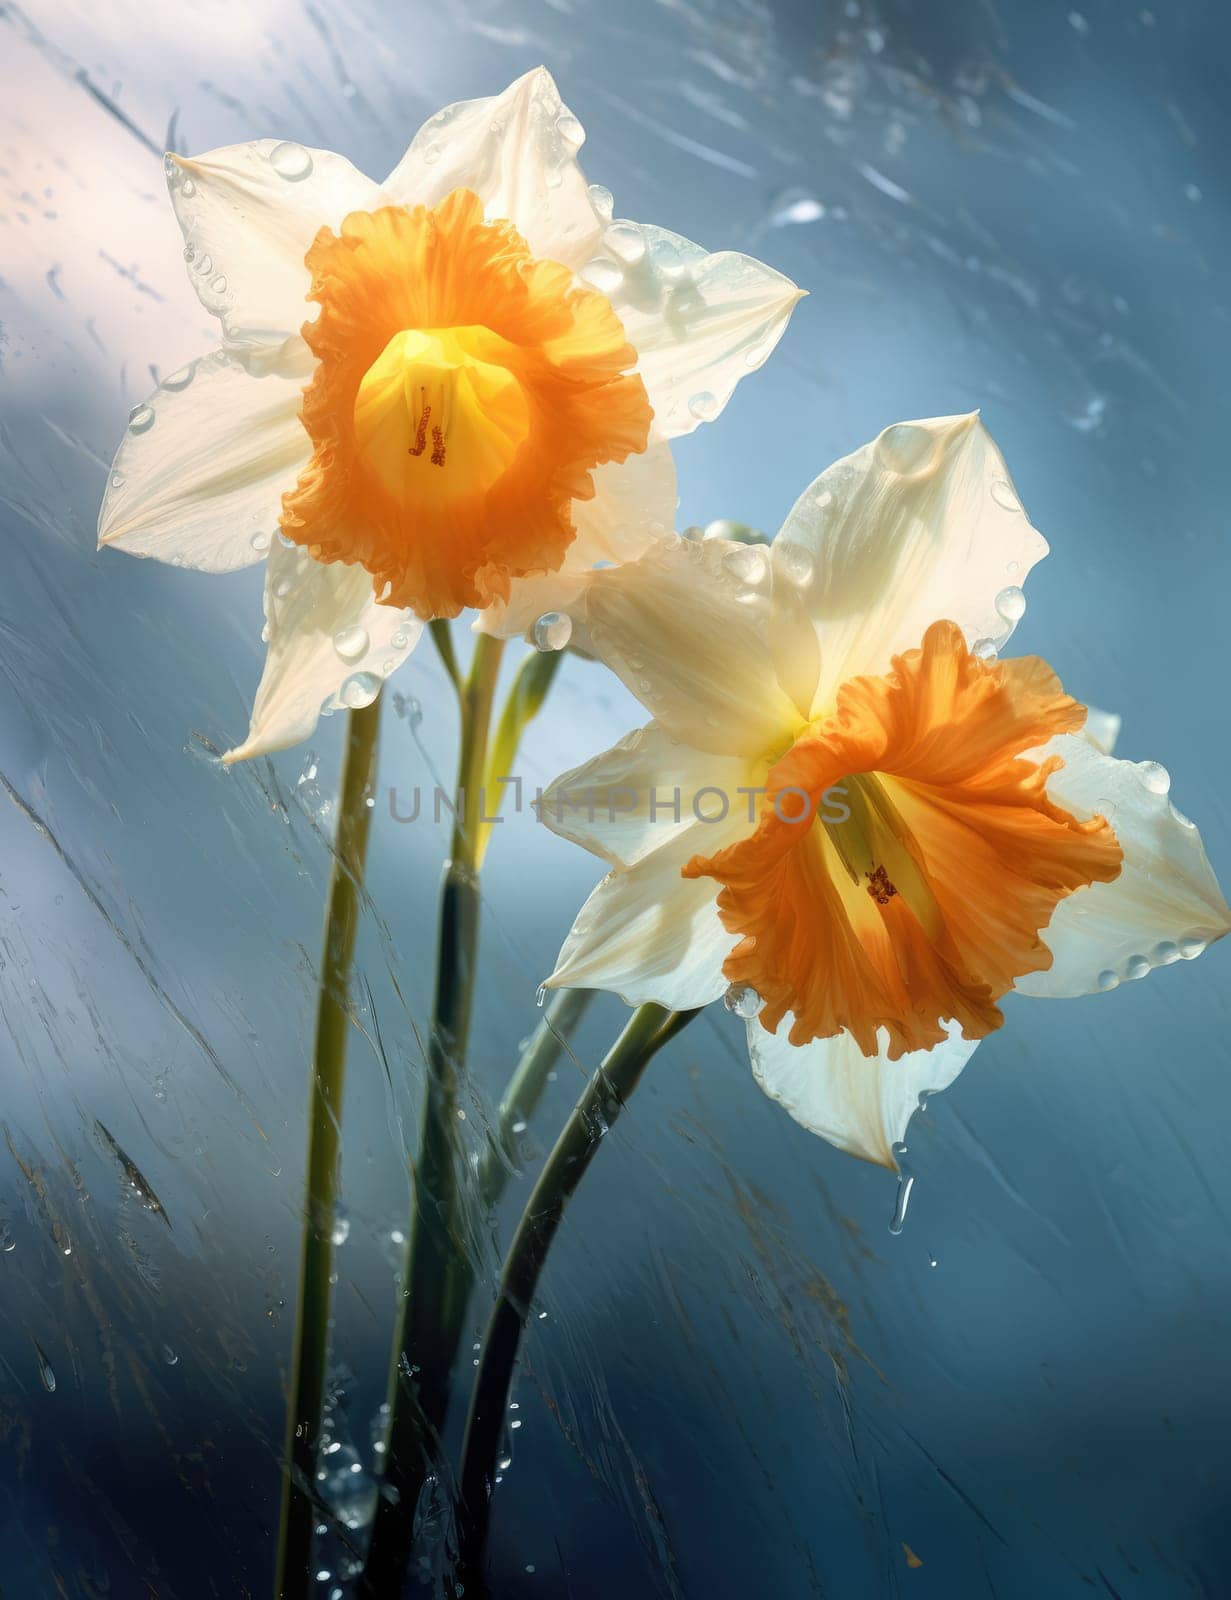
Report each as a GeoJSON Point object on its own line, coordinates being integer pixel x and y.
{"type": "Point", "coordinates": [736, 1381]}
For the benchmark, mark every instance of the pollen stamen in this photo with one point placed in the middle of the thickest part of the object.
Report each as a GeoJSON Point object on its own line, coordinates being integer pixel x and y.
{"type": "Point", "coordinates": [879, 886]}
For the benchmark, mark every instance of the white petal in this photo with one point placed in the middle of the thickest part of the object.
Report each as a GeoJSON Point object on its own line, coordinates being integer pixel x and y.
{"type": "Point", "coordinates": [699, 322]}
{"type": "Point", "coordinates": [686, 628]}
{"type": "Point", "coordinates": [1102, 729]}
{"type": "Point", "coordinates": [249, 213]}
{"type": "Point", "coordinates": [648, 934]}
{"type": "Point", "coordinates": [518, 152]}
{"type": "Point", "coordinates": [860, 1103]}
{"type": "Point", "coordinates": [199, 477]}
{"type": "Point", "coordinates": [644, 793]}
{"type": "Point", "coordinates": [633, 507]}
{"type": "Point", "coordinates": [1165, 904]}
{"type": "Point", "coordinates": [919, 526]}
{"type": "Point", "coordinates": [330, 646]}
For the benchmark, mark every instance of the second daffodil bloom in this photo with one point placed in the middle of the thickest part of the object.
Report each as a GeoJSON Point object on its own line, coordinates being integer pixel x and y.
{"type": "Point", "coordinates": [453, 388]}
{"type": "Point", "coordinates": [849, 814]}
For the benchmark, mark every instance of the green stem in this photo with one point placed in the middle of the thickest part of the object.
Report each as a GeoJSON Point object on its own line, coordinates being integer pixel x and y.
{"type": "Point", "coordinates": [419, 1381]}
{"type": "Point", "coordinates": [593, 1116]}
{"type": "Point", "coordinates": [525, 1089]}
{"type": "Point", "coordinates": [310, 1357]}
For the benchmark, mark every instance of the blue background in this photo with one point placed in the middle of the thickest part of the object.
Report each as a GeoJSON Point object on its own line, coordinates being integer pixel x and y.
{"type": "Point", "coordinates": [743, 1384]}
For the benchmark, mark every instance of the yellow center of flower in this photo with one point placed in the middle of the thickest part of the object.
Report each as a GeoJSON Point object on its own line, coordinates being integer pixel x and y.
{"type": "Point", "coordinates": [463, 395]}
{"type": "Point", "coordinates": [438, 416]}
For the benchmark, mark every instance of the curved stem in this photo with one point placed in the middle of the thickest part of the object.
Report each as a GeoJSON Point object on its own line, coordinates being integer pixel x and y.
{"type": "Point", "coordinates": [525, 1088]}
{"type": "Point", "coordinates": [310, 1356]}
{"type": "Point", "coordinates": [419, 1381]}
{"type": "Point", "coordinates": [593, 1117]}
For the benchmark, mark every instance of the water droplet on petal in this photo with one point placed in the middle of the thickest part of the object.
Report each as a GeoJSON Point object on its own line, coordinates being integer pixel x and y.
{"type": "Point", "coordinates": [984, 649]}
{"type": "Point", "coordinates": [625, 240]}
{"type": "Point", "coordinates": [570, 130]}
{"type": "Point", "coordinates": [140, 419]}
{"type": "Point", "coordinates": [340, 1232]}
{"type": "Point", "coordinates": [1191, 948]}
{"type": "Point", "coordinates": [1164, 953]}
{"type": "Point", "coordinates": [1136, 967]}
{"type": "Point", "coordinates": [742, 1000]}
{"type": "Point", "coordinates": [1154, 777]}
{"type": "Point", "coordinates": [117, 480]}
{"type": "Point", "coordinates": [290, 161]}
{"type": "Point", "coordinates": [1011, 604]}
{"type": "Point", "coordinates": [552, 631]}
{"type": "Point", "coordinates": [1002, 494]}
{"type": "Point", "coordinates": [906, 448]}
{"type": "Point", "coordinates": [181, 379]}
{"type": "Point", "coordinates": [703, 406]}
{"type": "Point", "coordinates": [603, 275]}
{"type": "Point", "coordinates": [360, 690]}
{"type": "Point", "coordinates": [261, 541]}
{"type": "Point", "coordinates": [218, 284]}
{"type": "Point", "coordinates": [351, 643]}
{"type": "Point", "coordinates": [205, 265]}
{"type": "Point", "coordinates": [602, 200]}
{"type": "Point", "coordinates": [432, 154]}
{"type": "Point", "coordinates": [794, 562]}
{"type": "Point", "coordinates": [748, 563]}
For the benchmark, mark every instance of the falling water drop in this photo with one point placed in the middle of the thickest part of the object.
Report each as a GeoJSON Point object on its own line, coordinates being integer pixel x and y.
{"type": "Point", "coordinates": [906, 1183]}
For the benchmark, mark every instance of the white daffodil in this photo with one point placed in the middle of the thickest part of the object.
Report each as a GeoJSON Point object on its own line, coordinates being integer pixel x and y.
{"type": "Point", "coordinates": [849, 815]}
{"type": "Point", "coordinates": [477, 413]}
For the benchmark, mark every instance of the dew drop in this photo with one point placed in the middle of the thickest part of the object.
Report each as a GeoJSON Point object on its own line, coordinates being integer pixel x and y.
{"type": "Point", "coordinates": [1002, 494]}
{"type": "Point", "coordinates": [984, 649]}
{"type": "Point", "coordinates": [570, 130]}
{"type": "Point", "coordinates": [261, 541]}
{"type": "Point", "coordinates": [360, 690]}
{"type": "Point", "coordinates": [188, 188]}
{"type": "Point", "coordinates": [117, 480]}
{"type": "Point", "coordinates": [140, 419]}
{"type": "Point", "coordinates": [1154, 777]}
{"type": "Point", "coordinates": [1164, 953]}
{"type": "Point", "coordinates": [703, 406]}
{"type": "Point", "coordinates": [181, 379]}
{"type": "Point", "coordinates": [352, 643]}
{"type": "Point", "coordinates": [748, 563]}
{"type": "Point", "coordinates": [1191, 948]}
{"type": "Point", "coordinates": [1135, 968]}
{"type": "Point", "coordinates": [169, 1356]}
{"type": "Point", "coordinates": [794, 562]}
{"type": "Point", "coordinates": [290, 161]}
{"type": "Point", "coordinates": [823, 498]}
{"type": "Point", "coordinates": [170, 167]}
{"type": "Point", "coordinates": [625, 240]}
{"type": "Point", "coordinates": [906, 448]}
{"type": "Point", "coordinates": [742, 1000]}
{"type": "Point", "coordinates": [219, 284]}
{"type": "Point", "coordinates": [204, 265]}
{"type": "Point", "coordinates": [603, 275]}
{"type": "Point", "coordinates": [1011, 604]}
{"type": "Point", "coordinates": [340, 1232]}
{"type": "Point", "coordinates": [552, 631]}
{"type": "Point", "coordinates": [432, 154]}
{"type": "Point", "coordinates": [602, 200]}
